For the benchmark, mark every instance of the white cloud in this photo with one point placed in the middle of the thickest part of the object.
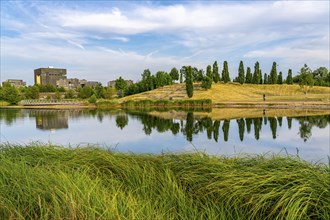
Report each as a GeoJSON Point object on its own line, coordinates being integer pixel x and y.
{"type": "Point", "coordinates": [160, 37]}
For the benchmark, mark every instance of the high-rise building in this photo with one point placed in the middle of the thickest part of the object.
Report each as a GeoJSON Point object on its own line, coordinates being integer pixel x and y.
{"type": "Point", "coordinates": [48, 75]}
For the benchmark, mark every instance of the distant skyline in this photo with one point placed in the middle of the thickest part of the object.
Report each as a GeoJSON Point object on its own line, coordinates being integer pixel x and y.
{"type": "Point", "coordinates": [102, 40]}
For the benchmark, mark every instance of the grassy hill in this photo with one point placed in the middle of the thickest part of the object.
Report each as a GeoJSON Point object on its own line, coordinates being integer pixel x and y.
{"type": "Point", "coordinates": [236, 93]}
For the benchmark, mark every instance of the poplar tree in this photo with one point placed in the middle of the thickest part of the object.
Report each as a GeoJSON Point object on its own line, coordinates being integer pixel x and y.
{"type": "Point", "coordinates": [216, 75]}
{"type": "Point", "coordinates": [273, 74]}
{"type": "Point", "coordinates": [260, 76]}
{"type": "Point", "coordinates": [256, 79]}
{"type": "Point", "coordinates": [189, 82]}
{"type": "Point", "coordinates": [280, 78]}
{"type": "Point", "coordinates": [241, 73]}
{"type": "Point", "coordinates": [248, 75]}
{"type": "Point", "coordinates": [225, 72]}
{"type": "Point", "coordinates": [289, 79]}
{"type": "Point", "coordinates": [265, 78]}
{"type": "Point", "coordinates": [209, 72]}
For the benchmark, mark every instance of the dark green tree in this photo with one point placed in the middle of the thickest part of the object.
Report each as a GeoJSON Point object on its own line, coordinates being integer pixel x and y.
{"type": "Point", "coordinates": [206, 83]}
{"type": "Point", "coordinates": [260, 76]}
{"type": "Point", "coordinates": [189, 128]}
{"type": "Point", "coordinates": [273, 74]}
{"type": "Point", "coordinates": [249, 77]}
{"type": "Point", "coordinates": [241, 74]}
{"type": "Point", "coordinates": [225, 72]}
{"type": "Point", "coordinates": [189, 82]}
{"type": "Point", "coordinates": [216, 75]}
{"type": "Point", "coordinates": [289, 79]}
{"type": "Point", "coordinates": [256, 78]}
{"type": "Point", "coordinates": [257, 123]}
{"type": "Point", "coordinates": [280, 78]}
{"type": "Point", "coordinates": [248, 122]}
{"type": "Point", "coordinates": [85, 92]}
{"type": "Point", "coordinates": [174, 74]}
{"type": "Point", "coordinates": [321, 76]}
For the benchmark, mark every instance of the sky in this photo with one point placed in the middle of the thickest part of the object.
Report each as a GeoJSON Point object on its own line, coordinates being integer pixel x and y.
{"type": "Point", "coordinates": [102, 40]}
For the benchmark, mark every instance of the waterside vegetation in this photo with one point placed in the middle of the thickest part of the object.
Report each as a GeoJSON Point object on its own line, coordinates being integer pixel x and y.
{"type": "Point", "coordinates": [51, 182]}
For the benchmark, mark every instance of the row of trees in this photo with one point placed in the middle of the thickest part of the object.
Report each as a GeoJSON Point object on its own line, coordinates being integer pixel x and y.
{"type": "Point", "coordinates": [189, 75]}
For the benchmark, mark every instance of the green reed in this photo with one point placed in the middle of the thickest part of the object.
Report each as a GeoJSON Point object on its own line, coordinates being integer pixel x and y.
{"type": "Point", "coordinates": [51, 182]}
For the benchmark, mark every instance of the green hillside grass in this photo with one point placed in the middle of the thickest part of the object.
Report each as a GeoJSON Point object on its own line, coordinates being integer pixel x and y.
{"type": "Point", "coordinates": [236, 93]}
{"type": "Point", "coordinates": [49, 182]}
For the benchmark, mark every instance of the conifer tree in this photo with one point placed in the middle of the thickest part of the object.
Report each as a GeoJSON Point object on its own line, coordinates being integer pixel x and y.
{"type": "Point", "coordinates": [216, 75]}
{"type": "Point", "coordinates": [280, 78]}
{"type": "Point", "coordinates": [189, 82]}
{"type": "Point", "coordinates": [289, 79]}
{"type": "Point", "coordinates": [209, 72]}
{"type": "Point", "coordinates": [273, 74]}
{"type": "Point", "coordinates": [248, 75]}
{"type": "Point", "coordinates": [225, 72]}
{"type": "Point", "coordinates": [241, 77]}
{"type": "Point", "coordinates": [256, 79]}
{"type": "Point", "coordinates": [260, 76]}
{"type": "Point", "coordinates": [265, 78]}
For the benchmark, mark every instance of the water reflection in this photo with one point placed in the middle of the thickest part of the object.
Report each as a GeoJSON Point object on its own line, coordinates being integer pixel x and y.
{"type": "Point", "coordinates": [192, 125]}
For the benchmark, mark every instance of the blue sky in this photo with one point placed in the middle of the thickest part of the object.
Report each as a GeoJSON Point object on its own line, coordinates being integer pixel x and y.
{"type": "Point", "coordinates": [102, 40]}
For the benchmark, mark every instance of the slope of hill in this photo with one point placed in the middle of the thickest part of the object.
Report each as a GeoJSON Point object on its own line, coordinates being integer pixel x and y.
{"type": "Point", "coordinates": [232, 93]}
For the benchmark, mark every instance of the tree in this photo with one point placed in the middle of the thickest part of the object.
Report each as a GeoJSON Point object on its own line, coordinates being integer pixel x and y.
{"type": "Point", "coordinates": [10, 94]}
{"type": "Point", "coordinates": [289, 79]}
{"type": "Point", "coordinates": [256, 76]}
{"type": "Point", "coordinates": [249, 77]}
{"type": "Point", "coordinates": [273, 74]}
{"type": "Point", "coordinates": [280, 78]}
{"type": "Point", "coordinates": [174, 74]}
{"type": "Point", "coordinates": [69, 94]}
{"type": "Point", "coordinates": [306, 79]}
{"type": "Point", "coordinates": [216, 75]}
{"type": "Point", "coordinates": [321, 76]}
{"type": "Point", "coordinates": [121, 85]}
{"type": "Point", "coordinates": [225, 72]}
{"type": "Point", "coordinates": [121, 121]}
{"type": "Point", "coordinates": [216, 126]}
{"type": "Point", "coordinates": [32, 92]}
{"type": "Point", "coordinates": [273, 126]}
{"type": "Point", "coordinates": [265, 78]}
{"type": "Point", "coordinates": [99, 92]}
{"type": "Point", "coordinates": [182, 73]}
{"type": "Point", "coordinates": [189, 82]}
{"type": "Point", "coordinates": [206, 83]}
{"type": "Point", "coordinates": [92, 99]}
{"type": "Point", "coordinates": [241, 73]}
{"type": "Point", "coordinates": [209, 72]}
{"type": "Point", "coordinates": [85, 92]}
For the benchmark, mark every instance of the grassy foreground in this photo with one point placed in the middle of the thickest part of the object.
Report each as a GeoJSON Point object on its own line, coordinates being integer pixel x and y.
{"type": "Point", "coordinates": [49, 182]}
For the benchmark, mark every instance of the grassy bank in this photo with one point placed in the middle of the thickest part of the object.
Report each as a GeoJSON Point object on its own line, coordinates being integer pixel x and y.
{"type": "Point", "coordinates": [47, 182]}
{"type": "Point", "coordinates": [246, 94]}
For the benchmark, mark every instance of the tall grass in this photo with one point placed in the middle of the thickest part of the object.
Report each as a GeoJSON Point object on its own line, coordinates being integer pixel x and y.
{"type": "Point", "coordinates": [50, 182]}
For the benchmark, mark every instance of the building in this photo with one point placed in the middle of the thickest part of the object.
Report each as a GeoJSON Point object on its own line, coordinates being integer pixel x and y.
{"type": "Point", "coordinates": [84, 82]}
{"type": "Point", "coordinates": [113, 83]}
{"type": "Point", "coordinates": [16, 82]}
{"type": "Point", "coordinates": [68, 83]}
{"type": "Point", "coordinates": [48, 76]}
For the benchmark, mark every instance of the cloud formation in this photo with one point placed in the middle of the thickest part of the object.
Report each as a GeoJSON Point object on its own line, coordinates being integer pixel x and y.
{"type": "Point", "coordinates": [103, 42]}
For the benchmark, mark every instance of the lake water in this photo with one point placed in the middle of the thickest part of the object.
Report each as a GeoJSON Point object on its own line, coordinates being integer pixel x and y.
{"type": "Point", "coordinates": [141, 132]}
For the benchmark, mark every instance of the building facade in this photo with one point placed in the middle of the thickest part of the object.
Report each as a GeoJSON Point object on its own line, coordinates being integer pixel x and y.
{"type": "Point", "coordinates": [68, 83]}
{"type": "Point", "coordinates": [112, 83]}
{"type": "Point", "coordinates": [48, 76]}
{"type": "Point", "coordinates": [16, 82]}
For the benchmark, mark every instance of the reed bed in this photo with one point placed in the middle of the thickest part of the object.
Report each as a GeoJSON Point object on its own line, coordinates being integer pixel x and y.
{"type": "Point", "coordinates": [52, 182]}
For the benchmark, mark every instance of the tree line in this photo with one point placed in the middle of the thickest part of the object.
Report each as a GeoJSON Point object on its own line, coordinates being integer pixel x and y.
{"type": "Point", "coordinates": [189, 75]}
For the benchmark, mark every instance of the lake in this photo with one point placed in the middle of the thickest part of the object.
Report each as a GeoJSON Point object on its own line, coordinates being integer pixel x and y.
{"type": "Point", "coordinates": [157, 132]}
